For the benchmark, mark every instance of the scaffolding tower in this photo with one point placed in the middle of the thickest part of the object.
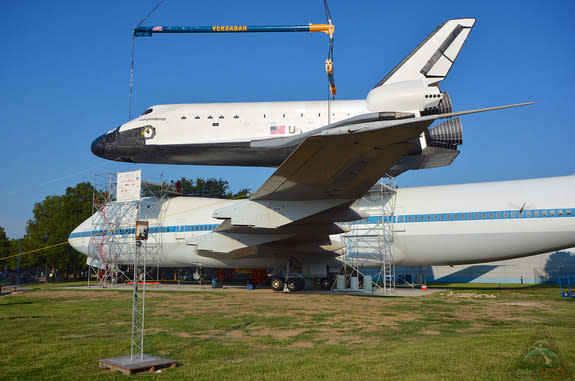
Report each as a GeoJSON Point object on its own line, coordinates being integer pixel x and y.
{"type": "Point", "coordinates": [105, 248]}
{"type": "Point", "coordinates": [369, 243]}
{"type": "Point", "coordinates": [111, 246]}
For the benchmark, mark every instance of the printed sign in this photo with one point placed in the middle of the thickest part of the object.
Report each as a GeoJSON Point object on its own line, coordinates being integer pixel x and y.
{"type": "Point", "coordinates": [129, 185]}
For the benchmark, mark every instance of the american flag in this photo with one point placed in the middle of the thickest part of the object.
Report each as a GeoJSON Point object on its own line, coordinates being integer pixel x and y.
{"type": "Point", "coordinates": [157, 29]}
{"type": "Point", "coordinates": [277, 130]}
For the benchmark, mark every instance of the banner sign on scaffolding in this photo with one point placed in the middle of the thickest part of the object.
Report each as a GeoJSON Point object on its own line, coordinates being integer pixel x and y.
{"type": "Point", "coordinates": [129, 186]}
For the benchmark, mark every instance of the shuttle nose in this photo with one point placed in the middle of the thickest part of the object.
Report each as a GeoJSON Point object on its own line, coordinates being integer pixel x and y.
{"type": "Point", "coordinates": [120, 146]}
{"type": "Point", "coordinates": [106, 146]}
{"type": "Point", "coordinates": [99, 146]}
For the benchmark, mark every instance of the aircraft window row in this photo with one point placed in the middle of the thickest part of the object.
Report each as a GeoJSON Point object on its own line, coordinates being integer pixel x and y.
{"type": "Point", "coordinates": [489, 215]}
{"type": "Point", "coordinates": [211, 117]}
{"type": "Point", "coordinates": [183, 117]}
{"type": "Point", "coordinates": [432, 95]}
{"type": "Point", "coordinates": [301, 115]}
{"type": "Point", "coordinates": [197, 228]}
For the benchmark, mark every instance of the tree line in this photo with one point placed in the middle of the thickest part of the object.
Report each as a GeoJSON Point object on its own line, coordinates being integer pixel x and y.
{"type": "Point", "coordinates": [56, 216]}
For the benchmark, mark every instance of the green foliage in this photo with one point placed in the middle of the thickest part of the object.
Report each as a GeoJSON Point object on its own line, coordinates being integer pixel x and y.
{"type": "Point", "coordinates": [5, 245]}
{"type": "Point", "coordinates": [54, 219]}
{"type": "Point", "coordinates": [212, 187]}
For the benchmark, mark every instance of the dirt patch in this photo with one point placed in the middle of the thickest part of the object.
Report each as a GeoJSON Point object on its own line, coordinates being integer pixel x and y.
{"type": "Point", "coordinates": [470, 295]}
{"type": "Point", "coordinates": [524, 304]}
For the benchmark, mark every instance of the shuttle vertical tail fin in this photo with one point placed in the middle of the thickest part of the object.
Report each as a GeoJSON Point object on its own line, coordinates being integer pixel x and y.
{"type": "Point", "coordinates": [432, 59]}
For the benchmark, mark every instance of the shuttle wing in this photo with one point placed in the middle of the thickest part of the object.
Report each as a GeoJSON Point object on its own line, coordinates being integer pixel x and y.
{"type": "Point", "coordinates": [338, 166]}
{"type": "Point", "coordinates": [314, 188]}
{"type": "Point", "coordinates": [345, 161]}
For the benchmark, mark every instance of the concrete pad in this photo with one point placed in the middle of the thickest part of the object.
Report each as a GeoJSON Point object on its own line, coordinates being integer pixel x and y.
{"type": "Point", "coordinates": [127, 365]}
{"type": "Point", "coordinates": [400, 291]}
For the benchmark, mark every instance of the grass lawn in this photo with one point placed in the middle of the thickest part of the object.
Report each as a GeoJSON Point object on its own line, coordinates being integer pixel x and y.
{"type": "Point", "coordinates": [51, 333]}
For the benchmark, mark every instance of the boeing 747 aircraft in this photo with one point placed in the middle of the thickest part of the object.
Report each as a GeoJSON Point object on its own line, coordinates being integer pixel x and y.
{"type": "Point", "coordinates": [323, 166]}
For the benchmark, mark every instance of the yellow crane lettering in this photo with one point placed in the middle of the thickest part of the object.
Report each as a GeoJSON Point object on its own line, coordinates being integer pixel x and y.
{"type": "Point", "coordinates": [229, 28]}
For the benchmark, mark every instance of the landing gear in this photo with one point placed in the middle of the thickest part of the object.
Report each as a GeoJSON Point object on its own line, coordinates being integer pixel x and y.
{"type": "Point", "coordinates": [290, 281]}
{"type": "Point", "coordinates": [292, 284]}
{"type": "Point", "coordinates": [277, 284]}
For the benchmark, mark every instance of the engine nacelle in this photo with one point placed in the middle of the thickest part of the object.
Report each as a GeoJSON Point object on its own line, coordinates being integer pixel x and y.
{"type": "Point", "coordinates": [408, 96]}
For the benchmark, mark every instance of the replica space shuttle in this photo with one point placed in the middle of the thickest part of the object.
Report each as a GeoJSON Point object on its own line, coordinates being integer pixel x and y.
{"type": "Point", "coordinates": [266, 133]}
{"type": "Point", "coordinates": [324, 164]}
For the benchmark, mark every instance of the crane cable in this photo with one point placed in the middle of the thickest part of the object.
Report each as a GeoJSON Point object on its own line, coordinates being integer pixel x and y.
{"type": "Point", "coordinates": [329, 65]}
{"type": "Point", "coordinates": [133, 58]}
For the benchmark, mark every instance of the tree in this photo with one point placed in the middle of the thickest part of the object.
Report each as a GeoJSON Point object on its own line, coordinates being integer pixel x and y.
{"type": "Point", "coordinates": [54, 219]}
{"type": "Point", "coordinates": [5, 245]}
{"type": "Point", "coordinates": [212, 187]}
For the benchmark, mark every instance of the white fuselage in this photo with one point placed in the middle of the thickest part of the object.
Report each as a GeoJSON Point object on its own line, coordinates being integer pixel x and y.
{"type": "Point", "coordinates": [213, 123]}
{"type": "Point", "coordinates": [471, 223]}
{"type": "Point", "coordinates": [247, 133]}
{"type": "Point", "coordinates": [439, 225]}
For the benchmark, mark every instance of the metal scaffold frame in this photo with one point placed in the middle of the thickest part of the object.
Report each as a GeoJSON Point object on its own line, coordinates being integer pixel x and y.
{"type": "Point", "coordinates": [109, 242]}
{"type": "Point", "coordinates": [369, 243]}
{"type": "Point", "coordinates": [137, 231]}
{"type": "Point", "coordinates": [104, 249]}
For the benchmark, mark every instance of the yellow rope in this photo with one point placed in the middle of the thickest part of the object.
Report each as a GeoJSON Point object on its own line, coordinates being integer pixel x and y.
{"type": "Point", "coordinates": [36, 250]}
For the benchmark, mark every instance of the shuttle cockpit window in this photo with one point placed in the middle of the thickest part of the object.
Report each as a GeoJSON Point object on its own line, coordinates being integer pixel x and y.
{"type": "Point", "coordinates": [148, 111]}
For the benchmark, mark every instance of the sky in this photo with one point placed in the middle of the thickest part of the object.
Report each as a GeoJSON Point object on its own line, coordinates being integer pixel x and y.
{"type": "Point", "coordinates": [65, 74]}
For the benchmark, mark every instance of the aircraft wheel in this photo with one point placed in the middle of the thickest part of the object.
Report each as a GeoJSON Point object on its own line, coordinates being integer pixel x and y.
{"type": "Point", "coordinates": [296, 284]}
{"type": "Point", "coordinates": [277, 284]}
{"type": "Point", "coordinates": [326, 283]}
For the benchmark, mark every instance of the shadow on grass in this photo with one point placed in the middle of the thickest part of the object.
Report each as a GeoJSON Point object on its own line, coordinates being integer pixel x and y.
{"type": "Point", "coordinates": [13, 303]}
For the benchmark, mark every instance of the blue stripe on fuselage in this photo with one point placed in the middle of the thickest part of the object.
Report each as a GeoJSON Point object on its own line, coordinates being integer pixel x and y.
{"type": "Point", "coordinates": [404, 218]}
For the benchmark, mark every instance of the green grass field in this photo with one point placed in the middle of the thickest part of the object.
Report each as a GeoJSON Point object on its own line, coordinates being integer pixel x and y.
{"type": "Point", "coordinates": [53, 333]}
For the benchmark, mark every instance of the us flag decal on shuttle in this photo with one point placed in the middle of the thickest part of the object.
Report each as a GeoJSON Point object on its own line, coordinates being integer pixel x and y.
{"type": "Point", "coordinates": [277, 130]}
